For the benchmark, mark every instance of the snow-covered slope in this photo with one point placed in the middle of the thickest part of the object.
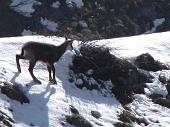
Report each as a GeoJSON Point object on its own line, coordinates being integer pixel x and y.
{"type": "Point", "coordinates": [50, 103]}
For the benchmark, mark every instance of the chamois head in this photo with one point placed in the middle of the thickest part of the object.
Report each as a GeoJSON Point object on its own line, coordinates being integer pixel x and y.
{"type": "Point", "coordinates": [69, 43]}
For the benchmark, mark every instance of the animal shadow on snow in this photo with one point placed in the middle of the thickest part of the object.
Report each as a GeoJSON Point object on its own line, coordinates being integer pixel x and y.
{"type": "Point", "coordinates": [36, 112]}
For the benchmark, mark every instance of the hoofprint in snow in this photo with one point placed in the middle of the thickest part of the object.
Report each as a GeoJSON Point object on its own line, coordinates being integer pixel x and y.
{"type": "Point", "coordinates": [50, 103]}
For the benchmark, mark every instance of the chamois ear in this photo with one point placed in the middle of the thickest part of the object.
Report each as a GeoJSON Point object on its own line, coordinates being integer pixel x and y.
{"type": "Point", "coordinates": [66, 38]}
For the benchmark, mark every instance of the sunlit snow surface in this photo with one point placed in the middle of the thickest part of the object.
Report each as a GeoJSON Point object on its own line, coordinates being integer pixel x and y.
{"type": "Point", "coordinates": [50, 103]}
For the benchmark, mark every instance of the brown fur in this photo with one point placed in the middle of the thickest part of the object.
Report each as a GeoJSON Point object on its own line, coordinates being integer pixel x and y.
{"type": "Point", "coordinates": [35, 51]}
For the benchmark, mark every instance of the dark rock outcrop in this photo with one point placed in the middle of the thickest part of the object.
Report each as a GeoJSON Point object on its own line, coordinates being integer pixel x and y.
{"type": "Point", "coordinates": [73, 110]}
{"type": "Point", "coordinates": [125, 93]}
{"type": "Point", "coordinates": [147, 62]}
{"type": "Point", "coordinates": [14, 93]}
{"type": "Point", "coordinates": [6, 120]}
{"type": "Point", "coordinates": [96, 114]}
{"type": "Point", "coordinates": [101, 19]}
{"type": "Point", "coordinates": [78, 120]}
{"type": "Point", "coordinates": [158, 99]}
{"type": "Point", "coordinates": [123, 125]}
{"type": "Point", "coordinates": [129, 117]}
{"type": "Point", "coordinates": [162, 78]}
{"type": "Point", "coordinates": [126, 78]}
{"type": "Point", "coordinates": [106, 66]}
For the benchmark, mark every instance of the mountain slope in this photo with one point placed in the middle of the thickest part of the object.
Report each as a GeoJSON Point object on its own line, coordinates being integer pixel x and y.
{"type": "Point", "coordinates": [83, 19]}
{"type": "Point", "coordinates": [49, 104]}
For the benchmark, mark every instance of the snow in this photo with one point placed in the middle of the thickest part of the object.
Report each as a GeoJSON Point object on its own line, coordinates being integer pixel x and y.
{"type": "Point", "coordinates": [79, 82]}
{"type": "Point", "coordinates": [83, 23]}
{"type": "Point", "coordinates": [56, 4]}
{"type": "Point", "coordinates": [50, 103]}
{"type": "Point", "coordinates": [27, 32]}
{"type": "Point", "coordinates": [79, 3]}
{"type": "Point", "coordinates": [24, 7]}
{"type": "Point", "coordinates": [156, 23]}
{"type": "Point", "coordinates": [151, 112]}
{"type": "Point", "coordinates": [49, 24]}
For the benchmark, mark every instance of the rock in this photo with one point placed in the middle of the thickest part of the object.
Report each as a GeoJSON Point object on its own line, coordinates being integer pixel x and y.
{"type": "Point", "coordinates": [123, 125]}
{"type": "Point", "coordinates": [168, 86]}
{"type": "Point", "coordinates": [162, 101]}
{"type": "Point", "coordinates": [78, 120]}
{"type": "Point", "coordinates": [123, 74]}
{"type": "Point", "coordinates": [100, 17]}
{"type": "Point", "coordinates": [14, 93]}
{"type": "Point", "coordinates": [128, 117]}
{"type": "Point", "coordinates": [6, 120]}
{"type": "Point", "coordinates": [96, 114]}
{"type": "Point", "coordinates": [74, 110]}
{"type": "Point", "coordinates": [124, 94]}
{"type": "Point", "coordinates": [158, 99]}
{"type": "Point", "coordinates": [165, 26]}
{"type": "Point", "coordinates": [162, 78]}
{"type": "Point", "coordinates": [156, 96]}
{"type": "Point", "coordinates": [147, 62]}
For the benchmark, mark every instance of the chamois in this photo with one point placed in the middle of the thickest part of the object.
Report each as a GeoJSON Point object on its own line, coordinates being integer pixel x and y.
{"type": "Point", "coordinates": [47, 53]}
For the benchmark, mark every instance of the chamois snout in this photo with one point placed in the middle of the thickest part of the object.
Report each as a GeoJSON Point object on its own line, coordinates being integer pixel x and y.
{"type": "Point", "coordinates": [70, 46]}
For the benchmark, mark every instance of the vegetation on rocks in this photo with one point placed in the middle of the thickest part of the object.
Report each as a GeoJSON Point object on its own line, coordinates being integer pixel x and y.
{"type": "Point", "coordinates": [93, 20]}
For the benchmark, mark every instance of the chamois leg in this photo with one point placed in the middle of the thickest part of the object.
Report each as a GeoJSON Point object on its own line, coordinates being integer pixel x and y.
{"type": "Point", "coordinates": [49, 70]}
{"type": "Point", "coordinates": [17, 61]}
{"type": "Point", "coordinates": [31, 67]}
{"type": "Point", "coordinates": [52, 80]}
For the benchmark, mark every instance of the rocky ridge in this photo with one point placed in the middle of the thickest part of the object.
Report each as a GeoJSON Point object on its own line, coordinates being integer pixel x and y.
{"type": "Point", "coordinates": [93, 20]}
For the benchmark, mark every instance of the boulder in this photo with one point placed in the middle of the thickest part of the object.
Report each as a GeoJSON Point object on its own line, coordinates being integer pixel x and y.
{"type": "Point", "coordinates": [147, 62]}
{"type": "Point", "coordinates": [78, 120]}
{"type": "Point", "coordinates": [14, 93]}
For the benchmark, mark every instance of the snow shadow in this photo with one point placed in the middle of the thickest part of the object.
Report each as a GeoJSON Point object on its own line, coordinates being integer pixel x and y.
{"type": "Point", "coordinates": [36, 112]}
